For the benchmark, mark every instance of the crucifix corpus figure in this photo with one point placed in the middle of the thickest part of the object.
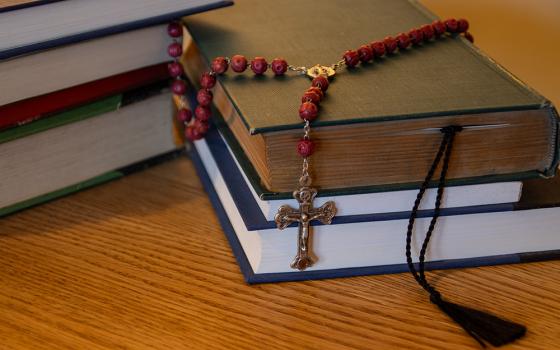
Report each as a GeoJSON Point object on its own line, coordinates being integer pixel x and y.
{"type": "Point", "coordinates": [306, 213]}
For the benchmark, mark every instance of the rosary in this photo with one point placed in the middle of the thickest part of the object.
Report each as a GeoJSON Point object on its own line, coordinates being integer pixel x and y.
{"type": "Point", "coordinates": [482, 326]}
{"type": "Point", "coordinates": [196, 127]}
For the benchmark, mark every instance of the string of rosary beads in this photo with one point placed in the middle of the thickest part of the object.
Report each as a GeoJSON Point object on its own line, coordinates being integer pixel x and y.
{"type": "Point", "coordinates": [197, 126]}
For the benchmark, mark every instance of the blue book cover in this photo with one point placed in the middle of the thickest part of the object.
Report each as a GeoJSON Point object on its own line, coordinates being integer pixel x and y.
{"type": "Point", "coordinates": [240, 193]}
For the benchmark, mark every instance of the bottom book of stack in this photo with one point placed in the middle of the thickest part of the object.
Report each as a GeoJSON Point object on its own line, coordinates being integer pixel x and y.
{"type": "Point", "coordinates": [480, 225]}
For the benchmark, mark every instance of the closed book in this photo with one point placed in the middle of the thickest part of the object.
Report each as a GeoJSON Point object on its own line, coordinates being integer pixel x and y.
{"type": "Point", "coordinates": [28, 26]}
{"type": "Point", "coordinates": [258, 214]}
{"type": "Point", "coordinates": [31, 109]}
{"type": "Point", "coordinates": [71, 65]}
{"type": "Point", "coordinates": [378, 127]}
{"type": "Point", "coordinates": [500, 233]}
{"type": "Point", "coordinates": [83, 146]}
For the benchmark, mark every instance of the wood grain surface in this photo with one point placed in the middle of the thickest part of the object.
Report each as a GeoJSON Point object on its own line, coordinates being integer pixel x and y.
{"type": "Point", "coordinates": [141, 263]}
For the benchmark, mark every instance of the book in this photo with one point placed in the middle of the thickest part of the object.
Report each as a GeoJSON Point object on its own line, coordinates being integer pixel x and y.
{"type": "Point", "coordinates": [82, 62]}
{"type": "Point", "coordinates": [28, 26]}
{"type": "Point", "coordinates": [380, 120]}
{"type": "Point", "coordinates": [31, 109]}
{"type": "Point", "coordinates": [83, 145]}
{"type": "Point", "coordinates": [95, 181]}
{"type": "Point", "coordinates": [259, 214]}
{"type": "Point", "coordinates": [494, 234]}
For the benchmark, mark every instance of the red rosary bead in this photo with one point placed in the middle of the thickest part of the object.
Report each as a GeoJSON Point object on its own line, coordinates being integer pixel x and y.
{"type": "Point", "coordinates": [207, 80]}
{"type": "Point", "coordinates": [219, 65]}
{"type": "Point", "coordinates": [175, 69]}
{"type": "Point", "coordinates": [311, 96]}
{"type": "Point", "coordinates": [321, 82]}
{"type": "Point", "coordinates": [415, 36]}
{"type": "Point", "coordinates": [403, 41]}
{"type": "Point", "coordinates": [351, 58]}
{"type": "Point", "coordinates": [174, 30]}
{"type": "Point", "coordinates": [305, 147]}
{"type": "Point", "coordinates": [308, 111]}
{"type": "Point", "coordinates": [192, 133]}
{"type": "Point", "coordinates": [259, 65]}
{"type": "Point", "coordinates": [204, 97]}
{"type": "Point", "coordinates": [279, 66]}
{"type": "Point", "coordinates": [462, 25]}
{"type": "Point", "coordinates": [184, 115]}
{"type": "Point", "coordinates": [178, 87]}
{"type": "Point", "coordinates": [238, 63]}
{"type": "Point", "coordinates": [201, 126]}
{"type": "Point", "coordinates": [451, 25]}
{"type": "Point", "coordinates": [427, 32]}
{"type": "Point", "coordinates": [366, 53]}
{"type": "Point", "coordinates": [202, 113]}
{"type": "Point", "coordinates": [439, 27]}
{"type": "Point", "coordinates": [174, 50]}
{"type": "Point", "coordinates": [378, 48]}
{"type": "Point", "coordinates": [317, 90]}
{"type": "Point", "coordinates": [390, 44]}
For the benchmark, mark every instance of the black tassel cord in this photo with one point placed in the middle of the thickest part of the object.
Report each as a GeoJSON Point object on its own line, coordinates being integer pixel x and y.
{"type": "Point", "coordinates": [483, 327]}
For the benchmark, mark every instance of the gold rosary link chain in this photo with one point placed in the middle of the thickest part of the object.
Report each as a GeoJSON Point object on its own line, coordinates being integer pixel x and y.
{"type": "Point", "coordinates": [336, 66]}
{"type": "Point", "coordinates": [306, 130]}
{"type": "Point", "coordinates": [301, 70]}
{"type": "Point", "coordinates": [305, 179]}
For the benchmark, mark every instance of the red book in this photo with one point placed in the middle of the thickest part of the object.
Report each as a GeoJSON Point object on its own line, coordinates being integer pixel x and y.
{"type": "Point", "coordinates": [33, 108]}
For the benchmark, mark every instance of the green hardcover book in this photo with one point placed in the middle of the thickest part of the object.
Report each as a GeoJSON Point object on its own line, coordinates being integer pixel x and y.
{"type": "Point", "coordinates": [85, 146]}
{"type": "Point", "coordinates": [378, 127]}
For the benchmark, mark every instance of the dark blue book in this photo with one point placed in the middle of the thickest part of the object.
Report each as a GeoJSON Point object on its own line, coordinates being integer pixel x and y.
{"type": "Point", "coordinates": [374, 243]}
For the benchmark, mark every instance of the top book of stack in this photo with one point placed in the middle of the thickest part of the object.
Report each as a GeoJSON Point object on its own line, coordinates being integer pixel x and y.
{"type": "Point", "coordinates": [378, 126]}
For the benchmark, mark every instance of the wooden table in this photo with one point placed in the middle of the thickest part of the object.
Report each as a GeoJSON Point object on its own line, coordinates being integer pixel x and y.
{"type": "Point", "coordinates": [141, 263]}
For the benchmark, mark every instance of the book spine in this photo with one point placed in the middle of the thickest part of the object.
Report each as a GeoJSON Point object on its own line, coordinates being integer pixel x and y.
{"type": "Point", "coordinates": [555, 152]}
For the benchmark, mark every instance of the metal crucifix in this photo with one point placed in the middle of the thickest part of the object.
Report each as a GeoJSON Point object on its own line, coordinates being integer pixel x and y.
{"type": "Point", "coordinates": [306, 213]}
{"type": "Point", "coordinates": [305, 194]}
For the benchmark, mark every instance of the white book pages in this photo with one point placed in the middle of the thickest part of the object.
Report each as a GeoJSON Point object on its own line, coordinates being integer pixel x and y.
{"type": "Point", "coordinates": [382, 242]}
{"type": "Point", "coordinates": [66, 155]}
{"type": "Point", "coordinates": [75, 64]}
{"type": "Point", "coordinates": [398, 201]}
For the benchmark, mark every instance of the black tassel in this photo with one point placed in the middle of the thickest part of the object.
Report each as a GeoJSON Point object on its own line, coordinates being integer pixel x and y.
{"type": "Point", "coordinates": [483, 327]}
{"type": "Point", "coordinates": [480, 325]}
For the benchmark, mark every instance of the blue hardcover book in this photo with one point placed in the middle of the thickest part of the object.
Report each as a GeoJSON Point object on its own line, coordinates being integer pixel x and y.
{"type": "Point", "coordinates": [29, 26]}
{"type": "Point", "coordinates": [365, 244]}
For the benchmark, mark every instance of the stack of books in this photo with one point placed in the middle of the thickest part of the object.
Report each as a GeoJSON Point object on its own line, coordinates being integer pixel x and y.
{"type": "Point", "coordinates": [376, 138]}
{"type": "Point", "coordinates": [84, 93]}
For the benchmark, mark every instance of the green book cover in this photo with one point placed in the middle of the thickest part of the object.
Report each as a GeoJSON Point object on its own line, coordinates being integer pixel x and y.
{"type": "Point", "coordinates": [447, 77]}
{"type": "Point", "coordinates": [444, 77]}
